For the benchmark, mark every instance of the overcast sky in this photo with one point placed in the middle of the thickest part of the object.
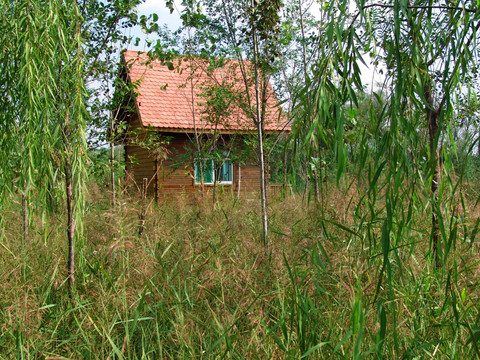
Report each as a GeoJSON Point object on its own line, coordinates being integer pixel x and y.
{"type": "Point", "coordinates": [164, 18]}
{"type": "Point", "coordinates": [158, 7]}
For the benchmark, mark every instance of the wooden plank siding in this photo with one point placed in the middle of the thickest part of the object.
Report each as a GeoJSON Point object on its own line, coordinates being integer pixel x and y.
{"type": "Point", "coordinates": [175, 175]}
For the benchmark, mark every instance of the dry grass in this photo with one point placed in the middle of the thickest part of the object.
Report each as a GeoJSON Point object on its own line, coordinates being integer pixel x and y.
{"type": "Point", "coordinates": [197, 284]}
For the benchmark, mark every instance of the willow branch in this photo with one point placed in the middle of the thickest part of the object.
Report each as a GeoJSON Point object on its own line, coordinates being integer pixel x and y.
{"type": "Point", "coordinates": [457, 64]}
{"type": "Point", "coordinates": [431, 7]}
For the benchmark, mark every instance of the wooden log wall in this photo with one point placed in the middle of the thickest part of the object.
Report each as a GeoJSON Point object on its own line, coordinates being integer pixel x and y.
{"type": "Point", "coordinates": [168, 174]}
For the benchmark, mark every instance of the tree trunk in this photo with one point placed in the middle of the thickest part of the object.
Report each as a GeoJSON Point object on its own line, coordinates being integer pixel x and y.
{"type": "Point", "coordinates": [285, 159]}
{"type": "Point", "coordinates": [305, 190]}
{"type": "Point", "coordinates": [112, 172]}
{"type": "Point", "coordinates": [433, 128]}
{"type": "Point", "coordinates": [266, 177]}
{"type": "Point", "coordinates": [239, 181]}
{"type": "Point", "coordinates": [26, 238]}
{"type": "Point", "coordinates": [214, 195]}
{"type": "Point", "coordinates": [155, 186]}
{"type": "Point", "coordinates": [70, 224]}
{"type": "Point", "coordinates": [197, 135]}
{"type": "Point", "coordinates": [317, 188]}
{"type": "Point", "coordinates": [143, 211]}
{"type": "Point", "coordinates": [261, 156]}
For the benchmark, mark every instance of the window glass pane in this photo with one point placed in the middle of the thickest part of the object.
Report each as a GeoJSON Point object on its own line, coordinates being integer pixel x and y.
{"type": "Point", "coordinates": [225, 173]}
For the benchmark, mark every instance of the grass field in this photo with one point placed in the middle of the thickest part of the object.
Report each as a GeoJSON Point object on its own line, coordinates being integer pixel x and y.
{"type": "Point", "coordinates": [197, 283]}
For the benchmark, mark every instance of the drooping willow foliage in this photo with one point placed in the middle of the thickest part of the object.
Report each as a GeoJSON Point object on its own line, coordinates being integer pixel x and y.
{"type": "Point", "coordinates": [42, 108]}
{"type": "Point", "coordinates": [410, 198]}
{"type": "Point", "coordinates": [428, 53]}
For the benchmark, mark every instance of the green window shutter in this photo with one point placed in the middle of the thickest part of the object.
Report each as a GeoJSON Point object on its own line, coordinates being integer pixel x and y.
{"type": "Point", "coordinates": [197, 172]}
{"type": "Point", "coordinates": [208, 173]}
{"type": "Point", "coordinates": [207, 167]}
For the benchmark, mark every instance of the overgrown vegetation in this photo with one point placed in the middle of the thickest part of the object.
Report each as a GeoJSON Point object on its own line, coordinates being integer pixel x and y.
{"type": "Point", "coordinates": [382, 262]}
{"type": "Point", "coordinates": [197, 284]}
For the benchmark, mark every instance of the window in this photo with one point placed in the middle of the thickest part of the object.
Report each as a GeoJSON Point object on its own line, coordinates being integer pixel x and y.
{"type": "Point", "coordinates": [212, 171]}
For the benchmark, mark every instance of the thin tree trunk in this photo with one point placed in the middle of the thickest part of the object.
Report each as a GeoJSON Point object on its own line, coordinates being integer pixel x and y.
{"type": "Point", "coordinates": [317, 189]}
{"type": "Point", "coordinates": [26, 238]}
{"type": "Point", "coordinates": [239, 181]}
{"type": "Point", "coordinates": [213, 149]}
{"type": "Point", "coordinates": [261, 158]}
{"type": "Point", "coordinates": [112, 172]}
{"type": "Point", "coordinates": [70, 223]}
{"type": "Point", "coordinates": [214, 195]}
{"type": "Point", "coordinates": [266, 177]}
{"type": "Point", "coordinates": [285, 158]}
{"type": "Point", "coordinates": [156, 181]}
{"type": "Point", "coordinates": [197, 135]}
{"type": "Point", "coordinates": [433, 128]}
{"type": "Point", "coordinates": [305, 189]}
{"type": "Point", "coordinates": [304, 58]}
{"type": "Point", "coordinates": [143, 211]}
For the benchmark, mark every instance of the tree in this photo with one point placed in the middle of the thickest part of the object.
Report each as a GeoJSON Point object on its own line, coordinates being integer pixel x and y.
{"type": "Point", "coordinates": [45, 63]}
{"type": "Point", "coordinates": [404, 166]}
{"type": "Point", "coordinates": [230, 29]}
{"type": "Point", "coordinates": [428, 51]}
{"type": "Point", "coordinates": [103, 32]}
{"type": "Point", "coordinates": [300, 48]}
{"type": "Point", "coordinates": [434, 49]}
{"type": "Point", "coordinates": [45, 113]}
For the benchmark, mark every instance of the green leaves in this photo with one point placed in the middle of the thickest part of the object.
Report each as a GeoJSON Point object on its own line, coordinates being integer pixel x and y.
{"type": "Point", "coordinates": [358, 320]}
{"type": "Point", "coordinates": [402, 140]}
{"type": "Point", "coordinates": [46, 117]}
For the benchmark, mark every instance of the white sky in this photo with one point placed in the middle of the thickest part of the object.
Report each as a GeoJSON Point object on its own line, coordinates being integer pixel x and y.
{"type": "Point", "coordinates": [159, 7]}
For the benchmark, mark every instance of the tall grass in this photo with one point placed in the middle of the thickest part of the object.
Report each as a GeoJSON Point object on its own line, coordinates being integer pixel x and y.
{"type": "Point", "coordinates": [197, 284]}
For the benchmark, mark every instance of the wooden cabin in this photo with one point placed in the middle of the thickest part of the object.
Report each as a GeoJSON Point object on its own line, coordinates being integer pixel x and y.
{"type": "Point", "coordinates": [187, 125]}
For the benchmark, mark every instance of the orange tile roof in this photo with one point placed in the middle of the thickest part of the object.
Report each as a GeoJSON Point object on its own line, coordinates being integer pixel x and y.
{"type": "Point", "coordinates": [164, 99]}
